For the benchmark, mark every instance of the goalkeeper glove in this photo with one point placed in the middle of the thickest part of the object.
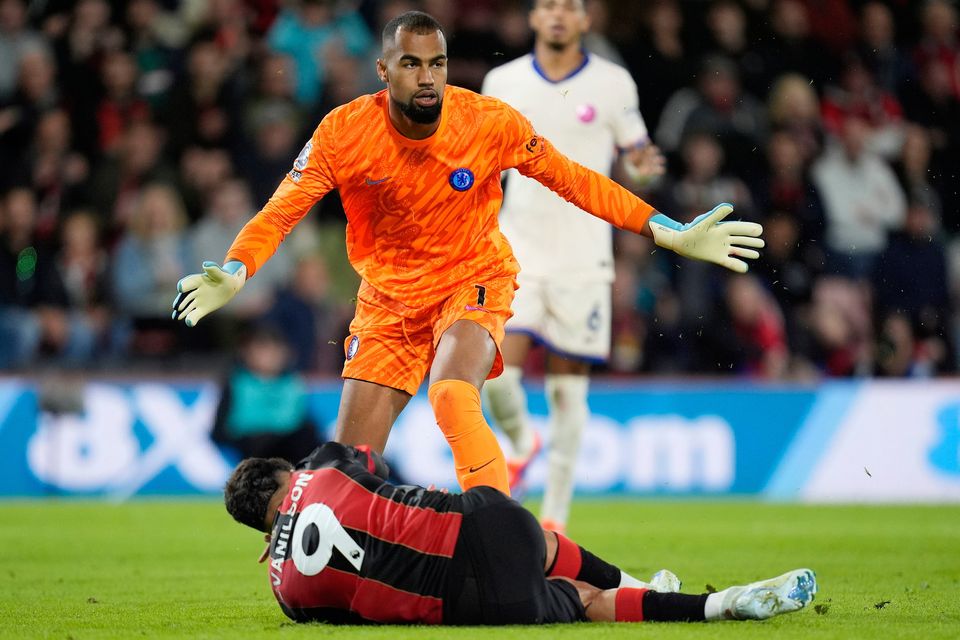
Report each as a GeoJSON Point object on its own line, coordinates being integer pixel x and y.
{"type": "Point", "coordinates": [201, 293]}
{"type": "Point", "coordinates": [708, 239]}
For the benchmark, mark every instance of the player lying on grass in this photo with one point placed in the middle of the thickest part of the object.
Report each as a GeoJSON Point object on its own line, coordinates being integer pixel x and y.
{"type": "Point", "coordinates": [418, 167]}
{"type": "Point", "coordinates": [346, 547]}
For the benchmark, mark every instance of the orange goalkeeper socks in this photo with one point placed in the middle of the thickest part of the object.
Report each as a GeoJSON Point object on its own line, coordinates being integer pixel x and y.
{"type": "Point", "coordinates": [476, 453]}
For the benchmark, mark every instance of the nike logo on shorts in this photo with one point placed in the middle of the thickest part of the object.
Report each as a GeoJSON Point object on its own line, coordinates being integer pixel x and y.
{"type": "Point", "coordinates": [373, 182]}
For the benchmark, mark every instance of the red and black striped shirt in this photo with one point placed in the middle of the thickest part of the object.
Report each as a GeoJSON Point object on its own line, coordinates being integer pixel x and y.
{"type": "Point", "coordinates": [347, 547]}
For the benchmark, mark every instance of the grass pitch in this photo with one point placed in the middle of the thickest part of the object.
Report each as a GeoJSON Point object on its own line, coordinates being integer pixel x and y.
{"type": "Point", "coordinates": [184, 569]}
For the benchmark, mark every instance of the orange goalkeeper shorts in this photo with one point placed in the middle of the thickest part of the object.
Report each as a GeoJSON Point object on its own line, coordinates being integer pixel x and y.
{"type": "Point", "coordinates": [393, 345]}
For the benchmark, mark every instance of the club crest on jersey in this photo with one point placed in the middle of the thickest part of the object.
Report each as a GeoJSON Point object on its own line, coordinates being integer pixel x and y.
{"type": "Point", "coordinates": [461, 179]}
{"type": "Point", "coordinates": [353, 347]}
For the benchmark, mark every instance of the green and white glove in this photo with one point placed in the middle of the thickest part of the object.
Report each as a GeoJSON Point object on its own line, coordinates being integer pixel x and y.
{"type": "Point", "coordinates": [201, 293]}
{"type": "Point", "coordinates": [707, 238]}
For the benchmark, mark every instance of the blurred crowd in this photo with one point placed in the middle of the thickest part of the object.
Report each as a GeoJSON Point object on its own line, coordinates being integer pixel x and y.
{"type": "Point", "coordinates": [137, 137]}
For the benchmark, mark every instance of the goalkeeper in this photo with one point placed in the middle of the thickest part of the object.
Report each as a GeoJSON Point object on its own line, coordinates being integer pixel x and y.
{"type": "Point", "coordinates": [418, 170]}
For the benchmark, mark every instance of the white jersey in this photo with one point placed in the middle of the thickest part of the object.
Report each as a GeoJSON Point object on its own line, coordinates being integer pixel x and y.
{"type": "Point", "coordinates": [587, 116]}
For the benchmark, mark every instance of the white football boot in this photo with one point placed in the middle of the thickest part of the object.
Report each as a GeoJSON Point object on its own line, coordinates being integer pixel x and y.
{"type": "Point", "coordinates": [761, 600]}
{"type": "Point", "coordinates": [665, 581]}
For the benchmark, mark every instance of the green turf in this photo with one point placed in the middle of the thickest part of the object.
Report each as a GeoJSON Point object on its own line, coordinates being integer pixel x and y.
{"type": "Point", "coordinates": [183, 569]}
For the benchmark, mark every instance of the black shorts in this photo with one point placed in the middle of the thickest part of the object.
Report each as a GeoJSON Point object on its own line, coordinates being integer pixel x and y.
{"type": "Point", "coordinates": [496, 573]}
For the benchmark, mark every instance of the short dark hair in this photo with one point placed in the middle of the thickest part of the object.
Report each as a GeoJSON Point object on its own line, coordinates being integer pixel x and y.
{"type": "Point", "coordinates": [412, 21]}
{"type": "Point", "coordinates": [248, 491]}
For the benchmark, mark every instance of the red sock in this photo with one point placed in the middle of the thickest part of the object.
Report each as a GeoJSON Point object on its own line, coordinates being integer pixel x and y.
{"type": "Point", "coordinates": [628, 606]}
{"type": "Point", "coordinates": [574, 562]}
{"type": "Point", "coordinates": [568, 561]}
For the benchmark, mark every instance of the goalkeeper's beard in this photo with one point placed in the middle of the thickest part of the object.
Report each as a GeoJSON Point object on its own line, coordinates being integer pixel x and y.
{"type": "Point", "coordinates": [418, 114]}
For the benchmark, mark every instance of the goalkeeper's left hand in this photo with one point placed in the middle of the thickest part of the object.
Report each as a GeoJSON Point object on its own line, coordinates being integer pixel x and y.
{"type": "Point", "coordinates": [707, 238]}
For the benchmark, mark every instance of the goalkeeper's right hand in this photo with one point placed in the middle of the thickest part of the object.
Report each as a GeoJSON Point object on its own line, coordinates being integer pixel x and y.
{"type": "Point", "coordinates": [201, 293]}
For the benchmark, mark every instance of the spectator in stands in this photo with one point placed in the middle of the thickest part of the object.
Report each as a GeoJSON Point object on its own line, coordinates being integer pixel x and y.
{"type": "Point", "coordinates": [936, 108]}
{"type": "Point", "coordinates": [344, 79]}
{"type": "Point", "coordinates": [789, 270]}
{"type": "Point", "coordinates": [83, 267]}
{"type": "Point", "coordinates": [899, 353]}
{"type": "Point", "coordinates": [858, 96]}
{"type": "Point", "coordinates": [910, 282]}
{"type": "Point", "coordinates": [659, 59]}
{"type": "Point", "coordinates": [595, 40]}
{"type": "Point", "coordinates": [263, 409]}
{"type": "Point", "coordinates": [116, 185]}
{"type": "Point", "coordinates": [16, 40]}
{"type": "Point", "coordinates": [727, 24]}
{"type": "Point", "coordinates": [152, 254]}
{"type": "Point", "coordinates": [841, 328]}
{"type": "Point", "coordinates": [833, 23]}
{"type": "Point", "coordinates": [36, 93]}
{"type": "Point", "coordinates": [227, 23]}
{"type": "Point", "coordinates": [793, 229]}
{"type": "Point", "coordinates": [274, 87]}
{"type": "Point", "coordinates": [702, 180]}
{"type": "Point", "coordinates": [647, 329]}
{"type": "Point", "coordinates": [628, 324]}
{"type": "Point", "coordinates": [153, 31]}
{"type": "Point", "coordinates": [890, 66]}
{"type": "Point", "coordinates": [938, 42]}
{"type": "Point", "coordinates": [54, 171]}
{"type": "Point", "coordinates": [792, 47]}
{"type": "Point", "coordinates": [913, 170]}
{"type": "Point", "coordinates": [794, 109]}
{"type": "Point", "coordinates": [203, 109]}
{"type": "Point", "coordinates": [120, 104]}
{"type": "Point", "coordinates": [88, 36]}
{"type": "Point", "coordinates": [718, 107]}
{"type": "Point", "coordinates": [759, 328]}
{"type": "Point", "coordinates": [34, 315]}
{"type": "Point", "coordinates": [202, 171]}
{"type": "Point", "coordinates": [301, 31]}
{"type": "Point", "coordinates": [472, 39]}
{"type": "Point", "coordinates": [314, 324]}
{"type": "Point", "coordinates": [277, 139]}
{"type": "Point", "coordinates": [155, 37]}
{"type": "Point", "coordinates": [786, 187]}
{"type": "Point", "coordinates": [513, 27]}
{"type": "Point", "coordinates": [862, 202]}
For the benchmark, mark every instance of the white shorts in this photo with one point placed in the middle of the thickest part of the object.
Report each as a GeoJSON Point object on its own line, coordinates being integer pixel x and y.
{"type": "Point", "coordinates": [569, 318]}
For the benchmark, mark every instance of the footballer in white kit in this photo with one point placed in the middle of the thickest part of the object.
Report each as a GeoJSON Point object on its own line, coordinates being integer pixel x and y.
{"type": "Point", "coordinates": [588, 108]}
{"type": "Point", "coordinates": [566, 257]}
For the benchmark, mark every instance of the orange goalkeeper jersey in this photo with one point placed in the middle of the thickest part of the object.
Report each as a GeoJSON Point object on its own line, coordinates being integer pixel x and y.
{"type": "Point", "coordinates": [422, 214]}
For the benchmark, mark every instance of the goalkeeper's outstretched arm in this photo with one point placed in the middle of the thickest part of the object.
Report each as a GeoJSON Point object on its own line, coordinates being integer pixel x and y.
{"type": "Point", "coordinates": [707, 237]}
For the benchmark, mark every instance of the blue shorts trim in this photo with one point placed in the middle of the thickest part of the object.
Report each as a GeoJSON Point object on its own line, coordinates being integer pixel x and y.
{"type": "Point", "coordinates": [540, 340]}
